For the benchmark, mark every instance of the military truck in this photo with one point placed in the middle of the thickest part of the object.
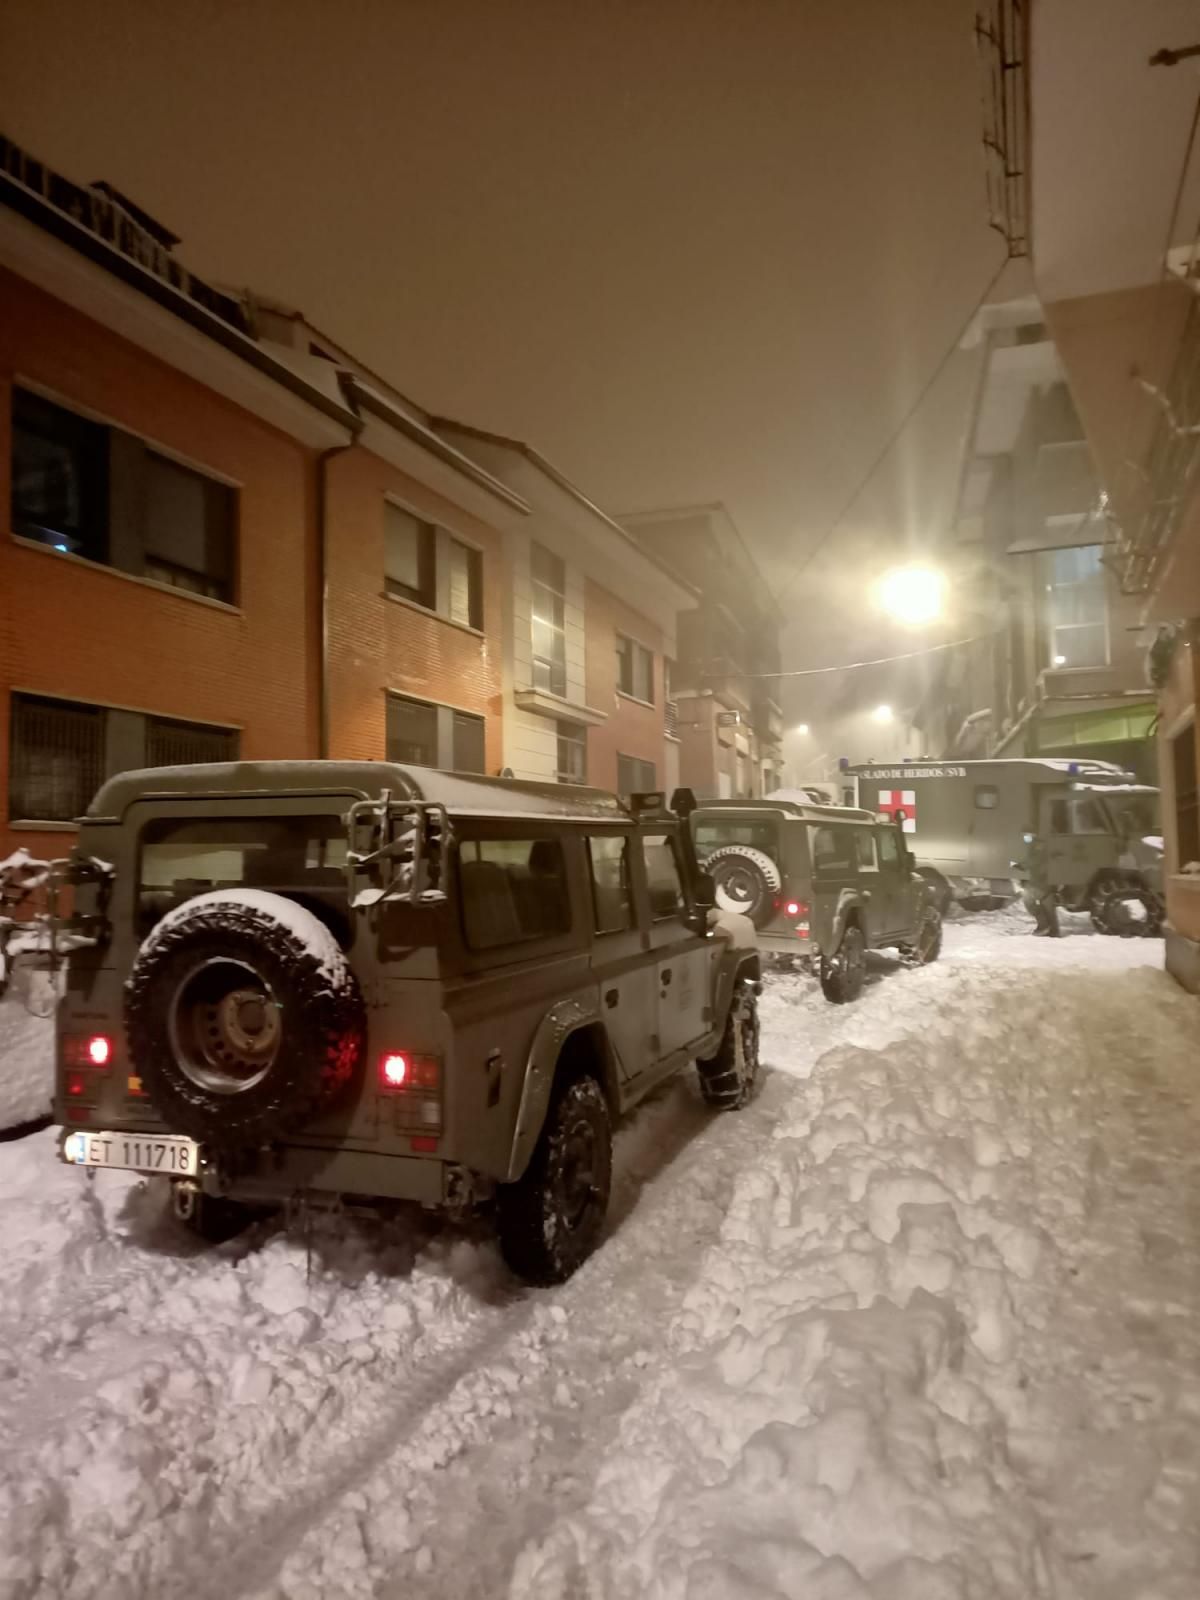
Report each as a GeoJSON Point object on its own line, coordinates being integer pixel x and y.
{"type": "Point", "coordinates": [361, 983]}
{"type": "Point", "coordinates": [821, 883]}
{"type": "Point", "coordinates": [969, 824]}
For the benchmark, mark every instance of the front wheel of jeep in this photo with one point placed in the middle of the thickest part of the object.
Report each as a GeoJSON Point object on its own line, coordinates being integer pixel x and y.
{"type": "Point", "coordinates": [550, 1220]}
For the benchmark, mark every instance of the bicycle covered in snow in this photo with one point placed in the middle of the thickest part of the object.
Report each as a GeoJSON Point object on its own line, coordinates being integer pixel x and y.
{"type": "Point", "coordinates": [33, 946]}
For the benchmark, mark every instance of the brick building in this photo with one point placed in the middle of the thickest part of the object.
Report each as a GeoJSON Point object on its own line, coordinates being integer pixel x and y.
{"type": "Point", "coordinates": [589, 631]}
{"type": "Point", "coordinates": [224, 541]}
{"type": "Point", "coordinates": [230, 539]}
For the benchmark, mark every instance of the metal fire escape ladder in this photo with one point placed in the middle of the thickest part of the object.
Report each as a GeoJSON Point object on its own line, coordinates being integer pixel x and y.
{"type": "Point", "coordinates": [1002, 43]}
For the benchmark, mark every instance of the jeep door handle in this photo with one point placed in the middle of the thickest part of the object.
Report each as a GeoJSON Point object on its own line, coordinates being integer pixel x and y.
{"type": "Point", "coordinates": [665, 975]}
{"type": "Point", "coordinates": [611, 997]}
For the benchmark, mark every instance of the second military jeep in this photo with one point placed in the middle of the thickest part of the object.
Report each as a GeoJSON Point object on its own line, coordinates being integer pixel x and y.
{"type": "Point", "coordinates": [820, 883]}
{"type": "Point", "coordinates": [363, 983]}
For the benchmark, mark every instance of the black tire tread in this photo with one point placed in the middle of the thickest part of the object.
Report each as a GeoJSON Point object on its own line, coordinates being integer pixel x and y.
{"type": "Point", "coordinates": [521, 1206]}
{"type": "Point", "coordinates": [720, 1084]}
{"type": "Point", "coordinates": [315, 1062]}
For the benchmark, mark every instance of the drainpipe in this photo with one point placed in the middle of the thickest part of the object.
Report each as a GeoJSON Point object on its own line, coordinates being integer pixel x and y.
{"type": "Point", "coordinates": [323, 460]}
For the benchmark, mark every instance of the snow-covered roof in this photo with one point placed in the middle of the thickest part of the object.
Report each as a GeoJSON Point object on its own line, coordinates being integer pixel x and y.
{"type": "Point", "coordinates": [462, 794]}
{"type": "Point", "coordinates": [807, 810]}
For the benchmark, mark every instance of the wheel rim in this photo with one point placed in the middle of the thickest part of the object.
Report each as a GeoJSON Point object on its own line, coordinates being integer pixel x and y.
{"type": "Point", "coordinates": [737, 890]}
{"type": "Point", "coordinates": [225, 1026]}
{"type": "Point", "coordinates": [577, 1175]}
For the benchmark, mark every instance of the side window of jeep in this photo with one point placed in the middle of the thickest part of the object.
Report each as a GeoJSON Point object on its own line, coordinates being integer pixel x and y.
{"type": "Point", "coordinates": [612, 891]}
{"type": "Point", "coordinates": [834, 852]}
{"type": "Point", "coordinates": [664, 884]}
{"type": "Point", "coordinates": [513, 891]}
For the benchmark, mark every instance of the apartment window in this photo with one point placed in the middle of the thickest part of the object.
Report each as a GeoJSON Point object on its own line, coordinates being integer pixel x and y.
{"type": "Point", "coordinates": [572, 753]}
{"type": "Point", "coordinates": [1075, 607]}
{"type": "Point", "coordinates": [410, 561]}
{"type": "Point", "coordinates": [180, 744]}
{"type": "Point", "coordinates": [188, 533]}
{"type": "Point", "coordinates": [56, 758]}
{"type": "Point", "coordinates": [59, 477]}
{"type": "Point", "coordinates": [468, 735]}
{"type": "Point", "coordinates": [422, 734]}
{"type": "Point", "coordinates": [100, 493]}
{"type": "Point", "coordinates": [549, 585]}
{"type": "Point", "coordinates": [412, 732]}
{"type": "Point", "coordinates": [466, 585]}
{"type": "Point", "coordinates": [61, 751]}
{"type": "Point", "coordinates": [635, 669]}
{"type": "Point", "coordinates": [635, 776]}
{"type": "Point", "coordinates": [1187, 821]}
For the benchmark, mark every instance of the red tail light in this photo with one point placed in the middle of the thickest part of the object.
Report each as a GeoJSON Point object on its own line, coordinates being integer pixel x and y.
{"type": "Point", "coordinates": [393, 1071]}
{"type": "Point", "coordinates": [404, 1074]}
{"type": "Point", "coordinates": [94, 1051]}
{"type": "Point", "coordinates": [413, 1084]}
{"type": "Point", "coordinates": [796, 908]}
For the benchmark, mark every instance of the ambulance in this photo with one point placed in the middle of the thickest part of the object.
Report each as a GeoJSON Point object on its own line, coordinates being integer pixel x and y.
{"type": "Point", "coordinates": [969, 825]}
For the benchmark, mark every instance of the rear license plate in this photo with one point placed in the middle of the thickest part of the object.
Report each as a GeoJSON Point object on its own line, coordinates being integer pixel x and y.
{"type": "Point", "coordinates": [134, 1152]}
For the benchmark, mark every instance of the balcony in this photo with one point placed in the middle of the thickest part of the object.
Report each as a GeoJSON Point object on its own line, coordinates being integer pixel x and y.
{"type": "Point", "coordinates": [1167, 475]}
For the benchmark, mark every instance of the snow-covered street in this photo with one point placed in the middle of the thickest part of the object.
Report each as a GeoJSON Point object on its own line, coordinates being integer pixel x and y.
{"type": "Point", "coordinates": [922, 1323]}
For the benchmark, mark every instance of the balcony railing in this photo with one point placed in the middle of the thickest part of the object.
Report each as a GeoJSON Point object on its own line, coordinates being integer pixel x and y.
{"type": "Point", "coordinates": [109, 217]}
{"type": "Point", "coordinates": [671, 719]}
{"type": "Point", "coordinates": [1168, 475]}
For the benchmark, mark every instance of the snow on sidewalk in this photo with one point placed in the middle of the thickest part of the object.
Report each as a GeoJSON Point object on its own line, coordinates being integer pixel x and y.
{"type": "Point", "coordinates": [947, 1346]}
{"type": "Point", "coordinates": [921, 1322]}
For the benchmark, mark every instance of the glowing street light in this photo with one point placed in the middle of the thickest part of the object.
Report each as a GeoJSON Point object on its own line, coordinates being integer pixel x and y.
{"type": "Point", "coordinates": [913, 595]}
{"type": "Point", "coordinates": [802, 729]}
{"type": "Point", "coordinates": [883, 714]}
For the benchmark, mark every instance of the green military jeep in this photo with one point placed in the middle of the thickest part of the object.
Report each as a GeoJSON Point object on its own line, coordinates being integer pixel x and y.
{"type": "Point", "coordinates": [358, 982]}
{"type": "Point", "coordinates": [823, 883]}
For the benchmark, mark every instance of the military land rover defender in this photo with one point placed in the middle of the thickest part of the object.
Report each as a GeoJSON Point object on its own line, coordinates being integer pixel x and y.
{"type": "Point", "coordinates": [334, 982]}
{"type": "Point", "coordinates": [822, 884]}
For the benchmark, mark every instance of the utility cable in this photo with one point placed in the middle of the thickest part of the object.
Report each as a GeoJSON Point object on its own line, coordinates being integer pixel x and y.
{"type": "Point", "coordinates": [886, 449]}
{"type": "Point", "coordinates": [854, 666]}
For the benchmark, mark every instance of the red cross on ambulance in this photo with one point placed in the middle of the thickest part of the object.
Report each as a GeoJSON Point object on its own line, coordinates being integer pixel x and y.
{"type": "Point", "coordinates": [899, 805]}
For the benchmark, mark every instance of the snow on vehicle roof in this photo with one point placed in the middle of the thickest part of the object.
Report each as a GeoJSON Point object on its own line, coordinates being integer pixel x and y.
{"type": "Point", "coordinates": [461, 794]}
{"type": "Point", "coordinates": [1084, 767]}
{"type": "Point", "coordinates": [805, 809]}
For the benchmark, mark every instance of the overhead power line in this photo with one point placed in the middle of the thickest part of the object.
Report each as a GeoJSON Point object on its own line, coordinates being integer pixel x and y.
{"type": "Point", "coordinates": [853, 666]}
{"type": "Point", "coordinates": [888, 444]}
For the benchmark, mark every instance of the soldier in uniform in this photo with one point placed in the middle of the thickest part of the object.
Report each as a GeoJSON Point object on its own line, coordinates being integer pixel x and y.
{"type": "Point", "coordinates": [1038, 893]}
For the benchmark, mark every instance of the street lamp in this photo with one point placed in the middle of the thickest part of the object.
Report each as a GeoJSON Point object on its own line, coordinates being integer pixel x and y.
{"type": "Point", "coordinates": [802, 730]}
{"type": "Point", "coordinates": [883, 714]}
{"type": "Point", "coordinates": [913, 595]}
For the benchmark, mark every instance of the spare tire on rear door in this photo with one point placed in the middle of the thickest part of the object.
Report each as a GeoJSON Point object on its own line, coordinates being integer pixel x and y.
{"type": "Point", "coordinates": [746, 881]}
{"type": "Point", "coordinates": [243, 1018]}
